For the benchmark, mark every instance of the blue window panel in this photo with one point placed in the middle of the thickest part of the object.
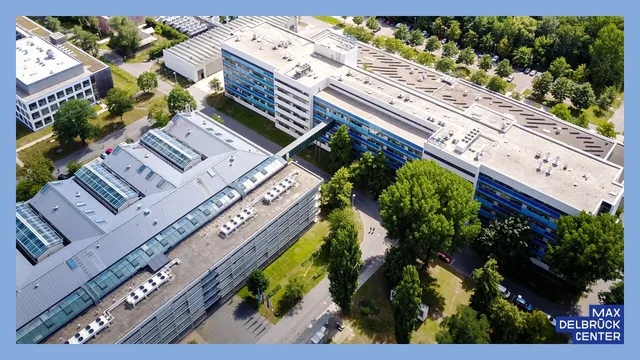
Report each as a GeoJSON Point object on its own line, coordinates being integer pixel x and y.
{"type": "Point", "coordinates": [254, 93]}
{"type": "Point", "coordinates": [232, 67]}
{"type": "Point", "coordinates": [141, 168]}
{"type": "Point", "coordinates": [33, 233]}
{"type": "Point", "coordinates": [226, 54]}
{"type": "Point", "coordinates": [106, 184]}
{"type": "Point", "coordinates": [72, 264]}
{"type": "Point", "coordinates": [256, 103]}
{"type": "Point", "coordinates": [169, 148]}
{"type": "Point", "coordinates": [524, 199]}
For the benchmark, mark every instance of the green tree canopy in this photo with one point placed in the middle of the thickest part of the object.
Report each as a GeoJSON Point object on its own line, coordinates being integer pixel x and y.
{"type": "Point", "coordinates": [416, 38]}
{"type": "Point", "coordinates": [537, 329]}
{"type": "Point", "coordinates": [341, 151]}
{"type": "Point", "coordinates": [33, 175]}
{"type": "Point", "coordinates": [159, 115]}
{"type": "Point", "coordinates": [504, 68]}
{"type": "Point", "coordinates": [470, 39]}
{"type": "Point", "coordinates": [293, 293]}
{"type": "Point", "coordinates": [393, 45]}
{"type": "Point", "coordinates": [504, 47]}
{"type": "Point", "coordinates": [464, 327]}
{"type": "Point", "coordinates": [582, 96]}
{"type": "Point", "coordinates": [561, 110]}
{"type": "Point", "coordinates": [52, 24]}
{"type": "Point", "coordinates": [507, 241]}
{"type": "Point", "coordinates": [485, 63]}
{"type": "Point", "coordinates": [454, 32]}
{"type": "Point", "coordinates": [561, 89]}
{"type": "Point", "coordinates": [607, 97]}
{"type": "Point", "coordinates": [523, 56]}
{"type": "Point", "coordinates": [497, 84]}
{"type": "Point", "coordinates": [607, 129]}
{"type": "Point", "coordinates": [486, 43]}
{"type": "Point", "coordinates": [582, 120]}
{"type": "Point", "coordinates": [345, 263]}
{"type": "Point", "coordinates": [402, 33]}
{"type": "Point", "coordinates": [372, 23]}
{"type": "Point", "coordinates": [373, 173]}
{"type": "Point", "coordinates": [507, 322]}
{"type": "Point", "coordinates": [126, 40]}
{"type": "Point", "coordinates": [432, 44]}
{"type": "Point", "coordinates": [379, 42]}
{"type": "Point", "coordinates": [486, 293]}
{"type": "Point", "coordinates": [542, 85]}
{"type": "Point", "coordinates": [437, 28]}
{"type": "Point", "coordinates": [445, 65]}
{"type": "Point", "coordinates": [73, 120]}
{"type": "Point", "coordinates": [579, 76]}
{"type": "Point", "coordinates": [542, 46]}
{"type": "Point", "coordinates": [559, 68]}
{"type": "Point", "coordinates": [406, 304]}
{"type": "Point", "coordinates": [408, 53]}
{"type": "Point", "coordinates": [614, 296]}
{"type": "Point", "coordinates": [257, 282]}
{"type": "Point", "coordinates": [358, 20]}
{"type": "Point", "coordinates": [589, 248]}
{"type": "Point", "coordinates": [86, 40]}
{"type": "Point", "coordinates": [360, 33]}
{"type": "Point", "coordinates": [467, 56]}
{"type": "Point", "coordinates": [72, 167]}
{"type": "Point", "coordinates": [119, 101]}
{"type": "Point", "coordinates": [336, 194]}
{"type": "Point", "coordinates": [480, 77]}
{"type": "Point", "coordinates": [429, 209]}
{"type": "Point", "coordinates": [607, 58]}
{"type": "Point", "coordinates": [425, 58]}
{"type": "Point", "coordinates": [148, 81]}
{"type": "Point", "coordinates": [450, 50]}
{"type": "Point", "coordinates": [178, 99]}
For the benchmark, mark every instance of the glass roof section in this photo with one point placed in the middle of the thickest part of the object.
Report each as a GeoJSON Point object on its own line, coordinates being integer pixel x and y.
{"type": "Point", "coordinates": [169, 148]}
{"type": "Point", "coordinates": [114, 191]}
{"type": "Point", "coordinates": [35, 235]}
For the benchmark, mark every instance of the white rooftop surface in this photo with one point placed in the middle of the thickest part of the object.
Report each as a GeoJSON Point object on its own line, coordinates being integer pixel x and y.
{"type": "Point", "coordinates": [29, 71]}
{"type": "Point", "coordinates": [521, 144]}
{"type": "Point", "coordinates": [374, 116]}
{"type": "Point", "coordinates": [301, 49]}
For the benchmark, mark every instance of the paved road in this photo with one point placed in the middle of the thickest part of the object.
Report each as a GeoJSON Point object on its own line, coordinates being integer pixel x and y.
{"type": "Point", "coordinates": [618, 118]}
{"type": "Point", "coordinates": [135, 69]}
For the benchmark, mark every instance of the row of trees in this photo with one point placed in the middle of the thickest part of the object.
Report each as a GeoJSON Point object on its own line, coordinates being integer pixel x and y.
{"type": "Point", "coordinates": [594, 43]}
{"type": "Point", "coordinates": [492, 319]}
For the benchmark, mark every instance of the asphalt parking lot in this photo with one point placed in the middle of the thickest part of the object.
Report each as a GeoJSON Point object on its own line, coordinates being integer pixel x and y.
{"type": "Point", "coordinates": [234, 322]}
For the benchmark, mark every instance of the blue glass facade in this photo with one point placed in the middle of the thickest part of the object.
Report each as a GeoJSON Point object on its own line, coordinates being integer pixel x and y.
{"type": "Point", "coordinates": [499, 201]}
{"type": "Point", "coordinates": [366, 136]}
{"type": "Point", "coordinates": [248, 82]}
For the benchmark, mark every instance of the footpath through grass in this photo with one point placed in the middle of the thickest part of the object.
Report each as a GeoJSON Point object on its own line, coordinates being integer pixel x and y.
{"type": "Point", "coordinates": [372, 315]}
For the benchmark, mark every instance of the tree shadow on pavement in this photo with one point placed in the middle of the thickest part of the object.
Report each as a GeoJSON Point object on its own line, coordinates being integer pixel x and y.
{"type": "Point", "coordinates": [431, 295]}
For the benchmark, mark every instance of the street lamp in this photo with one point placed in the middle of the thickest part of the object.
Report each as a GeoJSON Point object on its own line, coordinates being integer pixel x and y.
{"type": "Point", "coordinates": [175, 77]}
{"type": "Point", "coordinates": [327, 321]}
{"type": "Point", "coordinates": [353, 198]}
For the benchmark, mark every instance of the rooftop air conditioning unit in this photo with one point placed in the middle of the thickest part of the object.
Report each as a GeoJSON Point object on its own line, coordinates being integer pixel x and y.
{"type": "Point", "coordinates": [556, 161]}
{"type": "Point", "coordinates": [549, 170]}
{"type": "Point", "coordinates": [538, 154]}
{"type": "Point", "coordinates": [539, 168]}
{"type": "Point", "coordinates": [547, 157]}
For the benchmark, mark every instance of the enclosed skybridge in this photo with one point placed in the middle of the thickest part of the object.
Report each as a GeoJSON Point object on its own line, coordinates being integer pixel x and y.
{"type": "Point", "coordinates": [303, 141]}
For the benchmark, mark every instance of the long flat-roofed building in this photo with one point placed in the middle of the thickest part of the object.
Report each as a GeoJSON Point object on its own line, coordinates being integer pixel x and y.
{"type": "Point", "coordinates": [199, 57]}
{"type": "Point", "coordinates": [521, 160]}
{"type": "Point", "coordinates": [50, 71]}
{"type": "Point", "coordinates": [137, 246]}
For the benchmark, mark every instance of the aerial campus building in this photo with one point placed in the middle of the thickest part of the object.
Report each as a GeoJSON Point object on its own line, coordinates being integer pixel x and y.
{"type": "Point", "coordinates": [200, 57]}
{"type": "Point", "coordinates": [50, 71]}
{"type": "Point", "coordinates": [520, 160]}
{"type": "Point", "coordinates": [136, 247]}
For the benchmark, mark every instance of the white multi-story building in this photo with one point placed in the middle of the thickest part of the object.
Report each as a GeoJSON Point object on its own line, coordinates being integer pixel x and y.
{"type": "Point", "coordinates": [519, 159]}
{"type": "Point", "coordinates": [46, 77]}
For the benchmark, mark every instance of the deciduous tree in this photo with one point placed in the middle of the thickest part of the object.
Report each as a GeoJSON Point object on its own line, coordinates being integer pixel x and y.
{"type": "Point", "coordinates": [504, 68]}
{"type": "Point", "coordinates": [464, 327]}
{"type": "Point", "coordinates": [485, 63]}
{"type": "Point", "coordinates": [607, 58]}
{"type": "Point", "coordinates": [467, 56]}
{"type": "Point", "coordinates": [341, 152]}
{"type": "Point", "coordinates": [148, 81]}
{"type": "Point", "coordinates": [336, 194]}
{"type": "Point", "coordinates": [507, 241]}
{"type": "Point", "coordinates": [33, 175]}
{"type": "Point", "coordinates": [406, 304]}
{"type": "Point", "coordinates": [614, 296]}
{"type": "Point", "coordinates": [561, 89]}
{"type": "Point", "coordinates": [542, 85]}
{"type": "Point", "coordinates": [432, 44]}
{"type": "Point", "coordinates": [480, 77]}
{"type": "Point", "coordinates": [119, 101]}
{"type": "Point", "coordinates": [486, 293]}
{"type": "Point", "coordinates": [257, 282]}
{"type": "Point", "coordinates": [561, 111]}
{"type": "Point", "coordinates": [582, 96]}
{"type": "Point", "coordinates": [497, 84]}
{"type": "Point", "coordinates": [178, 100]}
{"type": "Point", "coordinates": [607, 129]}
{"type": "Point", "coordinates": [73, 120]}
{"type": "Point", "coordinates": [345, 263]}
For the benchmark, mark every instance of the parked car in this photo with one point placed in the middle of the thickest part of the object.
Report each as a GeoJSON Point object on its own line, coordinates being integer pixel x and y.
{"type": "Point", "coordinates": [388, 22]}
{"type": "Point", "coordinates": [523, 304]}
{"type": "Point", "coordinates": [339, 326]}
{"type": "Point", "coordinates": [376, 30]}
{"type": "Point", "coordinates": [533, 73]}
{"type": "Point", "coordinates": [552, 320]}
{"type": "Point", "coordinates": [444, 257]}
{"type": "Point", "coordinates": [425, 33]}
{"type": "Point", "coordinates": [510, 78]}
{"type": "Point", "coordinates": [63, 177]}
{"type": "Point", "coordinates": [527, 70]}
{"type": "Point", "coordinates": [443, 41]}
{"type": "Point", "coordinates": [398, 25]}
{"type": "Point", "coordinates": [103, 155]}
{"type": "Point", "coordinates": [495, 58]}
{"type": "Point", "coordinates": [504, 291]}
{"type": "Point", "coordinates": [537, 74]}
{"type": "Point", "coordinates": [109, 151]}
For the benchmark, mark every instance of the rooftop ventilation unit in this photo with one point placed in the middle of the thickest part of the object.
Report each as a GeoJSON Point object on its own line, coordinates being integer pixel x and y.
{"type": "Point", "coordinates": [232, 225]}
{"type": "Point", "coordinates": [392, 101]}
{"type": "Point", "coordinates": [556, 161]}
{"type": "Point", "coordinates": [255, 37]}
{"type": "Point", "coordinates": [538, 154]}
{"type": "Point", "coordinates": [564, 167]}
{"type": "Point", "coordinates": [467, 140]}
{"type": "Point", "coordinates": [539, 168]}
{"type": "Point", "coordinates": [152, 284]}
{"type": "Point", "coordinates": [91, 330]}
{"type": "Point", "coordinates": [281, 188]}
{"type": "Point", "coordinates": [549, 169]}
{"type": "Point", "coordinates": [547, 157]}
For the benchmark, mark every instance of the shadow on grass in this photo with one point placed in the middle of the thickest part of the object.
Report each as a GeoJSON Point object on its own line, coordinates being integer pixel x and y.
{"type": "Point", "coordinates": [431, 295]}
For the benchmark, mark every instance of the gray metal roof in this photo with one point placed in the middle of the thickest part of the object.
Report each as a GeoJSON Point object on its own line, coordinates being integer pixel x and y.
{"type": "Point", "coordinates": [205, 47]}
{"type": "Point", "coordinates": [95, 248]}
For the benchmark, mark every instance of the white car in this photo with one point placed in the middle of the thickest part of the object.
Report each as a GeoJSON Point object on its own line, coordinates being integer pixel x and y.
{"type": "Point", "coordinates": [504, 291]}
{"type": "Point", "coordinates": [398, 25]}
{"type": "Point", "coordinates": [495, 58]}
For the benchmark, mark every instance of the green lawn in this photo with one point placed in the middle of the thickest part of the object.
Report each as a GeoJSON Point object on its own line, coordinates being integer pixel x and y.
{"type": "Point", "coordinates": [106, 124]}
{"type": "Point", "coordinates": [167, 75]}
{"type": "Point", "coordinates": [25, 136]}
{"type": "Point", "coordinates": [510, 86]}
{"type": "Point", "coordinates": [443, 291]}
{"type": "Point", "coordinates": [121, 78]}
{"type": "Point", "coordinates": [330, 19]}
{"type": "Point", "coordinates": [527, 92]}
{"type": "Point", "coordinates": [599, 117]}
{"type": "Point", "coordinates": [264, 127]}
{"type": "Point", "coordinates": [143, 55]}
{"type": "Point", "coordinates": [297, 261]}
